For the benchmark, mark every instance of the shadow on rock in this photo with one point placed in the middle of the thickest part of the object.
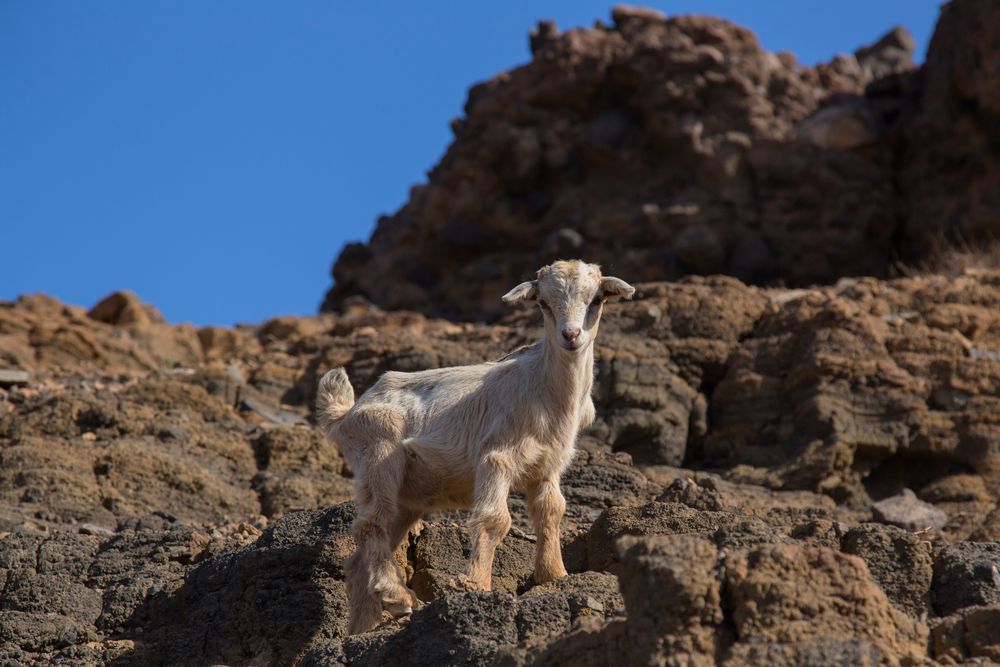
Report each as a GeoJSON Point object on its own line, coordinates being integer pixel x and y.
{"type": "Point", "coordinates": [260, 604]}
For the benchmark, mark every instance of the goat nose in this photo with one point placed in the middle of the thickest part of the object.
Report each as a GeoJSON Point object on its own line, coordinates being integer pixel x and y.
{"type": "Point", "coordinates": [571, 333]}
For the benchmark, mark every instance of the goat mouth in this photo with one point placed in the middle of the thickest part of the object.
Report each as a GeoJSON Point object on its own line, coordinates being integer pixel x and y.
{"type": "Point", "coordinates": [572, 347]}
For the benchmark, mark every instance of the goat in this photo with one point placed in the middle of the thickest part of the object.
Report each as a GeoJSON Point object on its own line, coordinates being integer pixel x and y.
{"type": "Point", "coordinates": [465, 436]}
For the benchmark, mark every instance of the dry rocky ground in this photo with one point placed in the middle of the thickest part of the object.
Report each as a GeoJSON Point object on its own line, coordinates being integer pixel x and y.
{"type": "Point", "coordinates": [779, 474]}
{"type": "Point", "coordinates": [775, 477]}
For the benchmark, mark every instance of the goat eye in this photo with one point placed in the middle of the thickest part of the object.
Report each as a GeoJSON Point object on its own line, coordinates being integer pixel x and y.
{"type": "Point", "coordinates": [544, 306]}
{"type": "Point", "coordinates": [596, 302]}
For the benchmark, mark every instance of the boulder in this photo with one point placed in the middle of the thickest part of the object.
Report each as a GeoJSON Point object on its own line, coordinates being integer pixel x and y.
{"type": "Point", "coordinates": [907, 511]}
{"type": "Point", "coordinates": [966, 574]}
{"type": "Point", "coordinates": [901, 563]}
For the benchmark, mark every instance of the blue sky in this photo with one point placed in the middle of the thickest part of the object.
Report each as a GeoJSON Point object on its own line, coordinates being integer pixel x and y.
{"type": "Point", "coordinates": [215, 156]}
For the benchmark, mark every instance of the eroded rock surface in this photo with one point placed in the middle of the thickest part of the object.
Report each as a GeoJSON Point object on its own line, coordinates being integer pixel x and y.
{"type": "Point", "coordinates": [758, 425]}
{"type": "Point", "coordinates": [165, 498]}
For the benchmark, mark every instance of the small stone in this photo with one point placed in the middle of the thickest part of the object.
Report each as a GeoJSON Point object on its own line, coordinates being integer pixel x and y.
{"type": "Point", "coordinates": [840, 127]}
{"type": "Point", "coordinates": [277, 416]}
{"type": "Point", "coordinates": [250, 529]}
{"type": "Point", "coordinates": [89, 436]}
{"type": "Point", "coordinates": [979, 353]}
{"type": "Point", "coordinates": [172, 433]}
{"type": "Point", "coordinates": [10, 377]}
{"type": "Point", "coordinates": [94, 529]}
{"type": "Point", "coordinates": [907, 511]}
{"type": "Point", "coordinates": [34, 526]}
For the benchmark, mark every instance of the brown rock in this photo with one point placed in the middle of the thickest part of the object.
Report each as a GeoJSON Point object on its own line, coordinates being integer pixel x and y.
{"type": "Point", "coordinates": [892, 53]}
{"type": "Point", "coordinates": [972, 633]}
{"type": "Point", "coordinates": [223, 343]}
{"type": "Point", "coordinates": [895, 163]}
{"type": "Point", "coordinates": [441, 558]}
{"type": "Point", "coordinates": [787, 594]}
{"type": "Point", "coordinates": [124, 309]}
{"type": "Point", "coordinates": [901, 563]}
{"type": "Point", "coordinates": [571, 144]}
{"type": "Point", "coordinates": [682, 620]}
{"type": "Point", "coordinates": [966, 574]}
{"type": "Point", "coordinates": [948, 170]}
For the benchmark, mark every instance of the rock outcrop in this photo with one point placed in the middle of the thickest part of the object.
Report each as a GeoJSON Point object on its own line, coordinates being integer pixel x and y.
{"type": "Point", "coordinates": [775, 476]}
{"type": "Point", "coordinates": [661, 147]}
{"type": "Point", "coordinates": [745, 437]}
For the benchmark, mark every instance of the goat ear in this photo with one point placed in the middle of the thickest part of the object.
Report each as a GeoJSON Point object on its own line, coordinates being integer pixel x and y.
{"type": "Point", "coordinates": [524, 292]}
{"type": "Point", "coordinates": [616, 288]}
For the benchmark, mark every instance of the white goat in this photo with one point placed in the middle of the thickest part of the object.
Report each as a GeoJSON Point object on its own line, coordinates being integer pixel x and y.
{"type": "Point", "coordinates": [465, 436]}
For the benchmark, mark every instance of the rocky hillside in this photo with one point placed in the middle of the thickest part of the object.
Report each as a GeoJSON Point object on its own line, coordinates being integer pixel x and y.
{"type": "Point", "coordinates": [663, 147]}
{"type": "Point", "coordinates": [775, 476]}
{"type": "Point", "coordinates": [779, 473]}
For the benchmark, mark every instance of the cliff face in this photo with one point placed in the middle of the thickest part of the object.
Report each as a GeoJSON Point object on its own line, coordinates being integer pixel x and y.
{"type": "Point", "coordinates": [950, 157]}
{"type": "Point", "coordinates": [661, 147]}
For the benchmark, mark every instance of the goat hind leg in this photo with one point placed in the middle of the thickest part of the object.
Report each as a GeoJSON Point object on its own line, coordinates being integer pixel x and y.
{"type": "Point", "coordinates": [404, 520]}
{"type": "Point", "coordinates": [365, 608]}
{"type": "Point", "coordinates": [371, 570]}
{"type": "Point", "coordinates": [374, 580]}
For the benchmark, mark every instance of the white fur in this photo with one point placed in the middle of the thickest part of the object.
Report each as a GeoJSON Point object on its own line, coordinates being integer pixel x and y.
{"type": "Point", "coordinates": [465, 436]}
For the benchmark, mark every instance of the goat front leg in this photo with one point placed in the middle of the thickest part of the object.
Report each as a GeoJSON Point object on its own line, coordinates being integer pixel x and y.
{"type": "Point", "coordinates": [490, 519]}
{"type": "Point", "coordinates": [546, 506]}
{"type": "Point", "coordinates": [587, 412]}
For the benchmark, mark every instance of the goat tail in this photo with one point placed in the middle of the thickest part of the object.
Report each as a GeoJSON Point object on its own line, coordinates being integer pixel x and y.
{"type": "Point", "coordinates": [334, 397]}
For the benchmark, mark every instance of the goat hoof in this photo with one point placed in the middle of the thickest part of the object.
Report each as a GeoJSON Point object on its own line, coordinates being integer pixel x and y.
{"type": "Point", "coordinates": [462, 583]}
{"type": "Point", "coordinates": [399, 609]}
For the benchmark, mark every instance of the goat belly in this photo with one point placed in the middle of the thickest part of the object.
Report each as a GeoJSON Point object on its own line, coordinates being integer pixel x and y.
{"type": "Point", "coordinates": [427, 484]}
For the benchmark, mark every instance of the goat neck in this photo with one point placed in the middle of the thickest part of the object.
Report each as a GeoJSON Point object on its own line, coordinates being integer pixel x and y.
{"type": "Point", "coordinates": [566, 376]}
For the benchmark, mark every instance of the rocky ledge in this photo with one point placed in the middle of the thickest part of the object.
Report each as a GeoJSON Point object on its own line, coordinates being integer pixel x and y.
{"type": "Point", "coordinates": [775, 476]}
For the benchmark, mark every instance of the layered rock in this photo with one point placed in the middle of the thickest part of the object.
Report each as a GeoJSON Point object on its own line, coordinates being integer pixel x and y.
{"type": "Point", "coordinates": [860, 391]}
{"type": "Point", "coordinates": [172, 516]}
